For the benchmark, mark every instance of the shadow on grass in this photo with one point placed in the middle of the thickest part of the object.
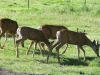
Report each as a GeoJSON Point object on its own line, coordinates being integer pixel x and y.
{"type": "Point", "coordinates": [75, 62]}
{"type": "Point", "coordinates": [44, 52]}
{"type": "Point", "coordinates": [64, 60]}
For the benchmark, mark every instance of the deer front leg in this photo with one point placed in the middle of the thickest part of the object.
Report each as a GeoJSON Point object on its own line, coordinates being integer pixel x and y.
{"type": "Point", "coordinates": [48, 55]}
{"type": "Point", "coordinates": [77, 47]}
{"type": "Point", "coordinates": [4, 41]}
{"type": "Point", "coordinates": [40, 47]}
{"type": "Point", "coordinates": [83, 52]}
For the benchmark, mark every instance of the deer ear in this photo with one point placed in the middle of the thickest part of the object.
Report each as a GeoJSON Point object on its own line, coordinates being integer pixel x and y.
{"type": "Point", "coordinates": [93, 41]}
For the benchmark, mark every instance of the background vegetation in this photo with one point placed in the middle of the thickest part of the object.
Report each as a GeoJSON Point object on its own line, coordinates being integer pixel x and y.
{"type": "Point", "coordinates": [71, 13]}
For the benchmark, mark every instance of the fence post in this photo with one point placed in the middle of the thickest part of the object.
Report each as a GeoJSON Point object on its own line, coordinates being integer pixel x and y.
{"type": "Point", "coordinates": [28, 3]}
{"type": "Point", "coordinates": [85, 3]}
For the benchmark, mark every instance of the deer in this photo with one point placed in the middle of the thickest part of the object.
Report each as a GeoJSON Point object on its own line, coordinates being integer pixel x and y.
{"type": "Point", "coordinates": [24, 33]}
{"type": "Point", "coordinates": [75, 38]}
{"type": "Point", "coordinates": [7, 26]}
{"type": "Point", "coordinates": [50, 33]}
{"type": "Point", "coordinates": [67, 45]}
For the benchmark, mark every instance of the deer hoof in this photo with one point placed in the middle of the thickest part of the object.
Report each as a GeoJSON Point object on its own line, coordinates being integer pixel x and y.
{"type": "Point", "coordinates": [17, 56]}
{"type": "Point", "coordinates": [26, 53]}
{"type": "Point", "coordinates": [33, 56]}
{"type": "Point", "coordinates": [1, 47]}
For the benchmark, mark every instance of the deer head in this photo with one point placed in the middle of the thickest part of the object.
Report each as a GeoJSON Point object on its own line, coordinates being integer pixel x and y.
{"type": "Point", "coordinates": [50, 45]}
{"type": "Point", "coordinates": [96, 47]}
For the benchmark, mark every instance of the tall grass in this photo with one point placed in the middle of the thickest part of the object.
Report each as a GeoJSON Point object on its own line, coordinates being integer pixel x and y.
{"type": "Point", "coordinates": [70, 13]}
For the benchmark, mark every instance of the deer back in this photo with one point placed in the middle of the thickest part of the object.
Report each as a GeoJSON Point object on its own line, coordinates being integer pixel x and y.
{"type": "Point", "coordinates": [8, 25]}
{"type": "Point", "coordinates": [50, 30]}
{"type": "Point", "coordinates": [72, 37]}
{"type": "Point", "coordinates": [31, 33]}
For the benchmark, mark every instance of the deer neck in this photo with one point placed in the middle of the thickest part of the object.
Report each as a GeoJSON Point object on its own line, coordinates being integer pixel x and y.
{"type": "Point", "coordinates": [89, 43]}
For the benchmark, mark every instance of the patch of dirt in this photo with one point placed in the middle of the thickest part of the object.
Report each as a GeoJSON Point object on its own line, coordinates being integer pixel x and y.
{"type": "Point", "coordinates": [8, 72]}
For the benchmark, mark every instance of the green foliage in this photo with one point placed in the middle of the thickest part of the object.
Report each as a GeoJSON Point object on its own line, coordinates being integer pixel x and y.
{"type": "Point", "coordinates": [70, 13]}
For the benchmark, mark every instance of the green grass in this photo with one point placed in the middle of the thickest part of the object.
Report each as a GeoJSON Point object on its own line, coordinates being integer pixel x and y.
{"type": "Point", "coordinates": [73, 15]}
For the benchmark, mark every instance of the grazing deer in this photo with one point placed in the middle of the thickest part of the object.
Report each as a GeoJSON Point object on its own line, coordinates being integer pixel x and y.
{"type": "Point", "coordinates": [50, 33]}
{"type": "Point", "coordinates": [7, 26]}
{"type": "Point", "coordinates": [24, 33]}
{"type": "Point", "coordinates": [67, 45]}
{"type": "Point", "coordinates": [76, 38]}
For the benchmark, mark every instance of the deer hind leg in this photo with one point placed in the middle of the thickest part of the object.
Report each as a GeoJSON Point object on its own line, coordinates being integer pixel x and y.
{"type": "Point", "coordinates": [32, 42]}
{"type": "Point", "coordinates": [65, 49]}
{"type": "Point", "coordinates": [16, 46]}
{"type": "Point", "coordinates": [84, 53]}
{"type": "Point", "coordinates": [48, 55]}
{"type": "Point", "coordinates": [34, 48]}
{"type": "Point", "coordinates": [57, 50]}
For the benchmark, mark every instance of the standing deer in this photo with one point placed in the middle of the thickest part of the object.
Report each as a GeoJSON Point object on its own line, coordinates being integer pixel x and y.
{"type": "Point", "coordinates": [24, 33]}
{"type": "Point", "coordinates": [76, 38]}
{"type": "Point", "coordinates": [50, 33]}
{"type": "Point", "coordinates": [7, 26]}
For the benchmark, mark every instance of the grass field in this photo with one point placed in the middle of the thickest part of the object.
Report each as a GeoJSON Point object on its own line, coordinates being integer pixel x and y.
{"type": "Point", "coordinates": [71, 13]}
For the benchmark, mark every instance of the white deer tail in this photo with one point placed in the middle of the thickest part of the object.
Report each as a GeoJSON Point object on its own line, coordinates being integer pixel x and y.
{"type": "Point", "coordinates": [58, 35]}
